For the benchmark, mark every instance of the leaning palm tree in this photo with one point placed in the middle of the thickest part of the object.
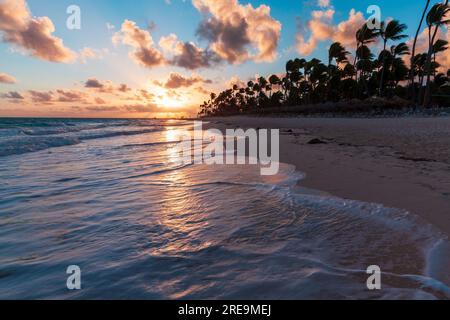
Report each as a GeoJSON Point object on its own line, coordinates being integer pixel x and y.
{"type": "Point", "coordinates": [439, 46]}
{"type": "Point", "coordinates": [393, 31]}
{"type": "Point", "coordinates": [364, 36]}
{"type": "Point", "coordinates": [401, 49]}
{"type": "Point", "coordinates": [436, 18]}
{"type": "Point", "coordinates": [412, 75]}
{"type": "Point", "coordinates": [337, 52]}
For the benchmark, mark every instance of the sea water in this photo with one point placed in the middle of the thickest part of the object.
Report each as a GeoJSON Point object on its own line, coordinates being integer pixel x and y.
{"type": "Point", "coordinates": [110, 197]}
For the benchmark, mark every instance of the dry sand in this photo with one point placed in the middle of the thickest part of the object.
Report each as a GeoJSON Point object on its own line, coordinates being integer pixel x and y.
{"type": "Point", "coordinates": [401, 163]}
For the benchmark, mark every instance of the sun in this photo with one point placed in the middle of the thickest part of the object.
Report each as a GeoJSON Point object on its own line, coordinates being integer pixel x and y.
{"type": "Point", "coordinates": [167, 100]}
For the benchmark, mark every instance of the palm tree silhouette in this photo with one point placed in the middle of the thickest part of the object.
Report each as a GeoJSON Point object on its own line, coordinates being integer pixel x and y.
{"type": "Point", "coordinates": [309, 82]}
{"type": "Point", "coordinates": [392, 31]}
{"type": "Point", "coordinates": [412, 75]}
{"type": "Point", "coordinates": [435, 19]}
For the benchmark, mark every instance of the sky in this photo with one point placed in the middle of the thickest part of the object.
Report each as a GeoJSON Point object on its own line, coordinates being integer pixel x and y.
{"type": "Point", "coordinates": [162, 58]}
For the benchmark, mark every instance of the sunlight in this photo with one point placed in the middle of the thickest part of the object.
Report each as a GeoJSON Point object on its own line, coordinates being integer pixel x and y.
{"type": "Point", "coordinates": [167, 100]}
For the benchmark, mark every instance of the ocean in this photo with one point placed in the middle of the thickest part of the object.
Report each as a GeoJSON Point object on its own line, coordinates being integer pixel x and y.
{"type": "Point", "coordinates": [110, 197]}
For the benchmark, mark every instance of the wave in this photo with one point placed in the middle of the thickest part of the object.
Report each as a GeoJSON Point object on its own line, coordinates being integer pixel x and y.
{"type": "Point", "coordinates": [17, 145]}
{"type": "Point", "coordinates": [32, 144]}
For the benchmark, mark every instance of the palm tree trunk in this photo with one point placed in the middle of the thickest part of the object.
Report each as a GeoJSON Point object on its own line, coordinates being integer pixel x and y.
{"type": "Point", "coordinates": [413, 53]}
{"type": "Point", "coordinates": [427, 96]}
{"type": "Point", "coordinates": [384, 69]}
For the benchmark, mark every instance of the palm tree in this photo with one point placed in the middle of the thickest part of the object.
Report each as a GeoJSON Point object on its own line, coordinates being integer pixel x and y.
{"type": "Point", "coordinates": [398, 67]}
{"type": "Point", "coordinates": [436, 18]}
{"type": "Point", "coordinates": [337, 52]}
{"type": "Point", "coordinates": [439, 46]}
{"type": "Point", "coordinates": [412, 75]}
{"type": "Point", "coordinates": [274, 80]}
{"type": "Point", "coordinates": [393, 31]}
{"type": "Point", "coordinates": [364, 36]}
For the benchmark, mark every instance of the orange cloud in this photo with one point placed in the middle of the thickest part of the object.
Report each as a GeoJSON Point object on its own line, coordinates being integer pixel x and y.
{"type": "Point", "coordinates": [321, 29]}
{"type": "Point", "coordinates": [31, 34]}
{"type": "Point", "coordinates": [141, 40]}
{"type": "Point", "coordinates": [234, 30]}
{"type": "Point", "coordinates": [176, 81]}
{"type": "Point", "coordinates": [70, 96]}
{"type": "Point", "coordinates": [41, 97]}
{"type": "Point", "coordinates": [6, 78]}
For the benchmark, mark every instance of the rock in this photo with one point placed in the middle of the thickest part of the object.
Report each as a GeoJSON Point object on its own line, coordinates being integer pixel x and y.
{"type": "Point", "coordinates": [317, 141]}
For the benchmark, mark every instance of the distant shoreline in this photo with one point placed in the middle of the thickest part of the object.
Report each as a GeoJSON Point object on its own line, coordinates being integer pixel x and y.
{"type": "Point", "coordinates": [320, 111]}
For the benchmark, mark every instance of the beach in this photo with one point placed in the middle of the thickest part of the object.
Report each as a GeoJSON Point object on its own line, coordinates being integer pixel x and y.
{"type": "Point", "coordinates": [112, 198]}
{"type": "Point", "coordinates": [398, 162]}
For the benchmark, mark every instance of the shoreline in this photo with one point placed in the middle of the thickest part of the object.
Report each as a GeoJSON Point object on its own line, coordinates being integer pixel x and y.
{"type": "Point", "coordinates": [401, 163]}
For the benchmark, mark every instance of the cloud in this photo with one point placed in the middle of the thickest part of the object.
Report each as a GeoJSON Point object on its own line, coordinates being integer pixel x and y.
{"type": "Point", "coordinates": [203, 91]}
{"type": "Point", "coordinates": [106, 86]}
{"type": "Point", "coordinates": [41, 97]}
{"type": "Point", "coordinates": [94, 83]}
{"type": "Point", "coordinates": [191, 57]}
{"type": "Point", "coordinates": [31, 34]}
{"type": "Point", "coordinates": [110, 26]}
{"type": "Point", "coordinates": [235, 81]}
{"type": "Point", "coordinates": [236, 31]}
{"type": "Point", "coordinates": [176, 81]}
{"type": "Point", "coordinates": [99, 100]}
{"type": "Point", "coordinates": [133, 108]}
{"type": "Point", "coordinates": [102, 108]}
{"type": "Point", "coordinates": [140, 108]}
{"type": "Point", "coordinates": [323, 3]}
{"type": "Point", "coordinates": [87, 53]}
{"type": "Point", "coordinates": [322, 29]}
{"type": "Point", "coordinates": [345, 32]}
{"type": "Point", "coordinates": [186, 54]}
{"type": "Point", "coordinates": [6, 78]}
{"type": "Point", "coordinates": [14, 95]}
{"type": "Point", "coordinates": [141, 41]}
{"type": "Point", "coordinates": [123, 88]}
{"type": "Point", "coordinates": [70, 96]}
{"type": "Point", "coordinates": [147, 95]}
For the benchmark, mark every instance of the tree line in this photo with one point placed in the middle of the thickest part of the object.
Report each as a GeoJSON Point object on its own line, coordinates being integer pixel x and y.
{"type": "Point", "coordinates": [386, 75]}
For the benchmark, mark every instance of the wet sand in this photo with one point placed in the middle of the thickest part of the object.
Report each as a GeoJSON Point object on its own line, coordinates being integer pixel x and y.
{"type": "Point", "coordinates": [401, 163]}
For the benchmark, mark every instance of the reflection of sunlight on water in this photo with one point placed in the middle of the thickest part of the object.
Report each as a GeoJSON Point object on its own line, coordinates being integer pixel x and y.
{"type": "Point", "coordinates": [174, 134]}
{"type": "Point", "coordinates": [181, 213]}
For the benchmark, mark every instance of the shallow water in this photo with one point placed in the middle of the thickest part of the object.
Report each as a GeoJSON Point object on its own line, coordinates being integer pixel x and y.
{"type": "Point", "coordinates": [108, 196]}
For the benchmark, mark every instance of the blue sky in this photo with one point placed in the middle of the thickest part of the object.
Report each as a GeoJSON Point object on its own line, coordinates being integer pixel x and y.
{"type": "Point", "coordinates": [179, 17]}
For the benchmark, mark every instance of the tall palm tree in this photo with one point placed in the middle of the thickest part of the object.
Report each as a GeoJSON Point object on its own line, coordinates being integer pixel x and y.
{"type": "Point", "coordinates": [398, 69]}
{"type": "Point", "coordinates": [393, 31]}
{"type": "Point", "coordinates": [338, 53]}
{"type": "Point", "coordinates": [412, 75]}
{"type": "Point", "coordinates": [364, 36]}
{"type": "Point", "coordinates": [436, 18]}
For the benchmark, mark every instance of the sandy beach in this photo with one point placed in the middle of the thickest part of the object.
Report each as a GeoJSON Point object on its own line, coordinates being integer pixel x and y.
{"type": "Point", "coordinates": [401, 163]}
